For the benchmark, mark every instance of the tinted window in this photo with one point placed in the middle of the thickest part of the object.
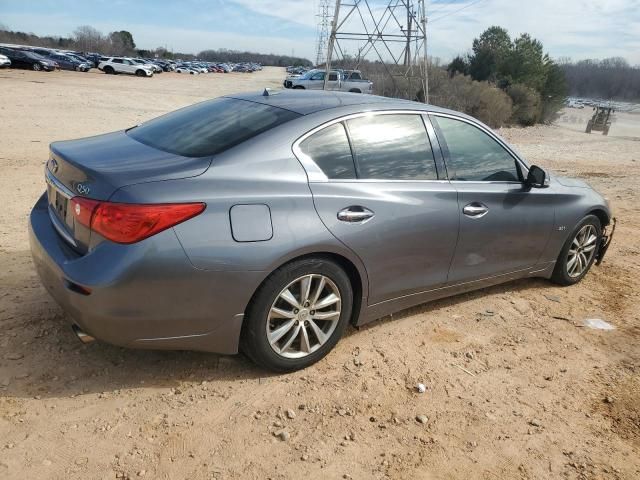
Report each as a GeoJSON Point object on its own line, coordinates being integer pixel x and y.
{"type": "Point", "coordinates": [209, 127]}
{"type": "Point", "coordinates": [329, 148]}
{"type": "Point", "coordinates": [355, 76]}
{"type": "Point", "coordinates": [474, 155]}
{"type": "Point", "coordinates": [117, 60]}
{"type": "Point", "coordinates": [318, 76]}
{"type": "Point", "coordinates": [333, 77]}
{"type": "Point", "coordinates": [393, 147]}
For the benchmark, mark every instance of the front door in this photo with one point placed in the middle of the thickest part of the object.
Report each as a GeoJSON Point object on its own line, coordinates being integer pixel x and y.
{"type": "Point", "coordinates": [504, 226]}
{"type": "Point", "coordinates": [384, 200]}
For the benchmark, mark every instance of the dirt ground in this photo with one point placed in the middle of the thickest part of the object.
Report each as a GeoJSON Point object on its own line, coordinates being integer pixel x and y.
{"type": "Point", "coordinates": [516, 387]}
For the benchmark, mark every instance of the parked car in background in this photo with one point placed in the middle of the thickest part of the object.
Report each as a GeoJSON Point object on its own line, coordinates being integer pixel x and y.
{"type": "Point", "coordinates": [66, 62]}
{"type": "Point", "coordinates": [4, 61]}
{"type": "Point", "coordinates": [115, 65]}
{"type": "Point", "coordinates": [338, 80]}
{"type": "Point", "coordinates": [269, 223]}
{"type": "Point", "coordinates": [186, 69]}
{"type": "Point", "coordinates": [153, 66]}
{"type": "Point", "coordinates": [28, 60]}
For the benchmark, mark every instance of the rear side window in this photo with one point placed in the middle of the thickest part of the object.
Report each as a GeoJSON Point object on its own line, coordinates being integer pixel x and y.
{"type": "Point", "coordinates": [210, 127]}
{"type": "Point", "coordinates": [392, 147]}
{"type": "Point", "coordinates": [329, 148]}
{"type": "Point", "coordinates": [473, 155]}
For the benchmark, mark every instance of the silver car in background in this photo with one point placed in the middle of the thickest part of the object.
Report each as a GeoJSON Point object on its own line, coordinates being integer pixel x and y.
{"type": "Point", "coordinates": [269, 222]}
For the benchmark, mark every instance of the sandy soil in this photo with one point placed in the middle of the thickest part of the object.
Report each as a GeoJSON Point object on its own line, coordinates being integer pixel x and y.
{"type": "Point", "coordinates": [516, 387]}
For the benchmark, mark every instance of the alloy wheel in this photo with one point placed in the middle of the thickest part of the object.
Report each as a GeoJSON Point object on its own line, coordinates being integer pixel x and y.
{"type": "Point", "coordinates": [303, 316]}
{"type": "Point", "coordinates": [582, 250]}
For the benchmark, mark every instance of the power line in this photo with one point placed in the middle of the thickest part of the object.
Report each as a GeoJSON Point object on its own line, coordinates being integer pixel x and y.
{"type": "Point", "coordinates": [456, 11]}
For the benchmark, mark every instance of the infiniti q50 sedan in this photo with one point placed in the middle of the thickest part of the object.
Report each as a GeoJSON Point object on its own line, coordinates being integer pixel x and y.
{"type": "Point", "coordinates": [268, 222]}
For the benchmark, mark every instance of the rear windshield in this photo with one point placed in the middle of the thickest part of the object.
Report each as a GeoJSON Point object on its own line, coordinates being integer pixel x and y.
{"type": "Point", "coordinates": [210, 127]}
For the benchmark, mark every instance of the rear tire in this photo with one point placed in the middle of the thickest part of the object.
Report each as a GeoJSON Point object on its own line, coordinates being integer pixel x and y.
{"type": "Point", "coordinates": [355, 90]}
{"type": "Point", "coordinates": [298, 87]}
{"type": "Point", "coordinates": [563, 273]}
{"type": "Point", "coordinates": [589, 126]}
{"type": "Point", "coordinates": [36, 67]}
{"type": "Point", "coordinates": [326, 279]}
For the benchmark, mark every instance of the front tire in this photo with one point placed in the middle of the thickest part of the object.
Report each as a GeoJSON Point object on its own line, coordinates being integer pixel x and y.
{"type": "Point", "coordinates": [109, 70]}
{"type": "Point", "coordinates": [297, 315]}
{"type": "Point", "coordinates": [579, 252]}
{"type": "Point", "coordinates": [141, 73]}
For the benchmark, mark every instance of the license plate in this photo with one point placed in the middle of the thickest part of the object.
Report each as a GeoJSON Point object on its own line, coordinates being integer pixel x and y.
{"type": "Point", "coordinates": [58, 202]}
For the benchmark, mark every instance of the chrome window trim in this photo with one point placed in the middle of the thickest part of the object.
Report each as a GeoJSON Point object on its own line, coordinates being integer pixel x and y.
{"type": "Point", "coordinates": [315, 173]}
{"type": "Point", "coordinates": [493, 136]}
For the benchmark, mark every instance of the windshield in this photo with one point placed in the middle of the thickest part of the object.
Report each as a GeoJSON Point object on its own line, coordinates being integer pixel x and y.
{"type": "Point", "coordinates": [210, 127]}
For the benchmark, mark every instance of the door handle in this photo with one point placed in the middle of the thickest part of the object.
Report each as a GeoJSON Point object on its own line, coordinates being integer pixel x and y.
{"type": "Point", "coordinates": [355, 214]}
{"type": "Point", "coordinates": [475, 210]}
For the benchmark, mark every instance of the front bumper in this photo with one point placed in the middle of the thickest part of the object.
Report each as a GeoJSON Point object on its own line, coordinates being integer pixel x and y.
{"type": "Point", "coordinates": [606, 241]}
{"type": "Point", "coordinates": [145, 295]}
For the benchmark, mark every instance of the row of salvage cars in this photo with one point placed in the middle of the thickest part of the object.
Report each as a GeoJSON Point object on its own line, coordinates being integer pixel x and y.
{"type": "Point", "coordinates": [42, 59]}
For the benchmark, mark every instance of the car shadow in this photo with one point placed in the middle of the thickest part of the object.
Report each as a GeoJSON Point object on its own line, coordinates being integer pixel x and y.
{"type": "Point", "coordinates": [41, 357]}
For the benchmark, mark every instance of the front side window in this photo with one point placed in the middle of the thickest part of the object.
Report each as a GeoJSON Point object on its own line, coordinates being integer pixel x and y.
{"type": "Point", "coordinates": [329, 149]}
{"type": "Point", "coordinates": [210, 127]}
{"type": "Point", "coordinates": [392, 147]}
{"type": "Point", "coordinates": [318, 76]}
{"type": "Point", "coordinates": [473, 155]}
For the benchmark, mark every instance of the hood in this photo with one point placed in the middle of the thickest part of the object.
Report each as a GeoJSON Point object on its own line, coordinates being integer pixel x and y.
{"type": "Point", "coordinates": [571, 182]}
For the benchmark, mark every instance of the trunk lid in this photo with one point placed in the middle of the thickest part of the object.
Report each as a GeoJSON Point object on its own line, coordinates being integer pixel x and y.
{"type": "Point", "coordinates": [96, 167]}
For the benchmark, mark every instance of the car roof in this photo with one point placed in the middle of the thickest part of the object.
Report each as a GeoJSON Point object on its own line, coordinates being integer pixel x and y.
{"type": "Point", "coordinates": [306, 102]}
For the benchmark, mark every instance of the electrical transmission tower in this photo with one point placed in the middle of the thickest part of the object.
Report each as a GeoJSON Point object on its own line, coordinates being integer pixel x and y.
{"type": "Point", "coordinates": [390, 41]}
{"type": "Point", "coordinates": [324, 22]}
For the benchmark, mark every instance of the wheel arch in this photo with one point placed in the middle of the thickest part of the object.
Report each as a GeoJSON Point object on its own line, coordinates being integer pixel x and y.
{"type": "Point", "coordinates": [602, 215]}
{"type": "Point", "coordinates": [356, 276]}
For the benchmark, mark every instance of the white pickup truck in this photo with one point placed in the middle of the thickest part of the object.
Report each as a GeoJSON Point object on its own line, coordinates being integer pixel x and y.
{"type": "Point", "coordinates": [341, 80]}
{"type": "Point", "coordinates": [125, 65]}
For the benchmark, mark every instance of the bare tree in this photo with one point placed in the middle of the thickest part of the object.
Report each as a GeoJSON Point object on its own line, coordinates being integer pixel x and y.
{"type": "Point", "coordinates": [88, 39]}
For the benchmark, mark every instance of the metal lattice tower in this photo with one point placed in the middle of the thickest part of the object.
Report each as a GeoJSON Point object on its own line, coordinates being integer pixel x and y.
{"type": "Point", "coordinates": [391, 33]}
{"type": "Point", "coordinates": [324, 24]}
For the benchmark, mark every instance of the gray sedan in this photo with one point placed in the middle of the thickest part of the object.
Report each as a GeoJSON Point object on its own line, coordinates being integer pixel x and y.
{"type": "Point", "coordinates": [268, 222]}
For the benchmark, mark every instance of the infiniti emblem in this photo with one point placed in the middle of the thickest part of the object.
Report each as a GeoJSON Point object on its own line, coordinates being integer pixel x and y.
{"type": "Point", "coordinates": [82, 189]}
{"type": "Point", "coordinates": [53, 165]}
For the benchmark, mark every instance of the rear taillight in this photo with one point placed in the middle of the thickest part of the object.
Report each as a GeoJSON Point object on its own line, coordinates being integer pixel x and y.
{"type": "Point", "coordinates": [129, 222]}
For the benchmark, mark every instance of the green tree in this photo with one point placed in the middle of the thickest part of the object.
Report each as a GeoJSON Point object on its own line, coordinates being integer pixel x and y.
{"type": "Point", "coordinates": [126, 38]}
{"type": "Point", "coordinates": [458, 65]}
{"type": "Point", "coordinates": [553, 93]}
{"type": "Point", "coordinates": [525, 63]}
{"type": "Point", "coordinates": [489, 53]}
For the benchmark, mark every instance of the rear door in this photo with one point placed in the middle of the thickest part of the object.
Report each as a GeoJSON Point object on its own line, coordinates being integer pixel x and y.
{"type": "Point", "coordinates": [377, 189]}
{"type": "Point", "coordinates": [504, 226]}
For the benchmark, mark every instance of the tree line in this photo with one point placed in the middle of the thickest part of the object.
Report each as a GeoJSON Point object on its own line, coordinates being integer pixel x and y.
{"type": "Point", "coordinates": [88, 39]}
{"type": "Point", "coordinates": [520, 68]}
{"type": "Point", "coordinates": [610, 79]}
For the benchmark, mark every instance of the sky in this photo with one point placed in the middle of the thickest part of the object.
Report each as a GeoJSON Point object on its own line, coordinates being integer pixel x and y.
{"type": "Point", "coordinates": [568, 28]}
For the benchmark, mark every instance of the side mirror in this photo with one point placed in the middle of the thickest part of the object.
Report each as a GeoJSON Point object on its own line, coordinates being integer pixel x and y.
{"type": "Point", "coordinates": [536, 177]}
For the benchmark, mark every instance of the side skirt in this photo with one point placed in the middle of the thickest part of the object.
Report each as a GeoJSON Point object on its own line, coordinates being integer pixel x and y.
{"type": "Point", "coordinates": [378, 310]}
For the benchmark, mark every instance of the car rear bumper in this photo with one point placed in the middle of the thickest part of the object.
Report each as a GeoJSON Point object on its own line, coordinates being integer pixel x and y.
{"type": "Point", "coordinates": [145, 295]}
